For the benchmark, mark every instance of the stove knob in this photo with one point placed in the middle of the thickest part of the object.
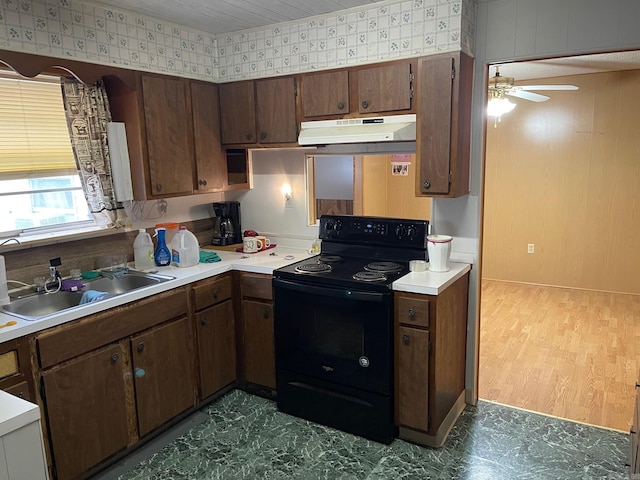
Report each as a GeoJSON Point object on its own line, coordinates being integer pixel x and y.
{"type": "Point", "coordinates": [400, 231]}
{"type": "Point", "coordinates": [328, 226]}
{"type": "Point", "coordinates": [411, 232]}
{"type": "Point", "coordinates": [338, 226]}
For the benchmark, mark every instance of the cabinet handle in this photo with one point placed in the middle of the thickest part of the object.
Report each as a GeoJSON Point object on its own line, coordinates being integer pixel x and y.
{"type": "Point", "coordinates": [412, 314]}
{"type": "Point", "coordinates": [114, 357]}
{"type": "Point", "coordinates": [426, 184]}
{"type": "Point", "coordinates": [340, 106]}
{"type": "Point", "coordinates": [365, 104]}
{"type": "Point", "coordinates": [263, 136]}
{"type": "Point", "coordinates": [216, 293]}
{"type": "Point", "coordinates": [202, 182]}
{"type": "Point", "coordinates": [158, 187]}
{"type": "Point", "coordinates": [249, 136]}
{"type": "Point", "coordinates": [204, 320]}
{"type": "Point", "coordinates": [405, 339]}
{"type": "Point", "coordinates": [267, 313]}
{"type": "Point", "coordinates": [141, 346]}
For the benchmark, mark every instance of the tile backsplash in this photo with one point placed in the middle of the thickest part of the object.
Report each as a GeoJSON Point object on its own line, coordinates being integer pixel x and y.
{"type": "Point", "coordinates": [386, 31]}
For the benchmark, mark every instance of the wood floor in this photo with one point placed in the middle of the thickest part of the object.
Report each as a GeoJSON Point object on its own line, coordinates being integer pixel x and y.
{"type": "Point", "coordinates": [573, 354]}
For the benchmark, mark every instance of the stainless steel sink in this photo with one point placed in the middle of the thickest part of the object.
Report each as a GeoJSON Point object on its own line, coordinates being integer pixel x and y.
{"type": "Point", "coordinates": [36, 306]}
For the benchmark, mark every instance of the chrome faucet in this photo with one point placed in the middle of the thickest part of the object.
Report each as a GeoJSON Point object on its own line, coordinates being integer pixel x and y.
{"type": "Point", "coordinates": [55, 279]}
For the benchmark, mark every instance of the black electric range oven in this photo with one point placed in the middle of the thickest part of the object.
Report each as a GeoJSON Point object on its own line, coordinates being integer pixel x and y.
{"type": "Point", "coordinates": [333, 321]}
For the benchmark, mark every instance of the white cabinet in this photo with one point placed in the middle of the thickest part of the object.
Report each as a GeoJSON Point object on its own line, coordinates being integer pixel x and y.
{"type": "Point", "coordinates": [21, 446]}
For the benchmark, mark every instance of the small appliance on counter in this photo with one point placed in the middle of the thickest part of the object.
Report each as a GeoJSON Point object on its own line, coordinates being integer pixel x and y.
{"type": "Point", "coordinates": [227, 229]}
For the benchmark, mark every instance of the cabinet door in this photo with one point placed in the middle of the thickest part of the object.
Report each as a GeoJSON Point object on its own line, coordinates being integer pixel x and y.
{"type": "Point", "coordinates": [163, 372]}
{"type": "Point", "coordinates": [259, 352]}
{"type": "Point", "coordinates": [211, 162]}
{"type": "Point", "coordinates": [237, 112]}
{"type": "Point", "coordinates": [216, 347]}
{"type": "Point", "coordinates": [169, 132]}
{"type": "Point", "coordinates": [86, 405]}
{"type": "Point", "coordinates": [383, 89]}
{"type": "Point", "coordinates": [413, 378]}
{"type": "Point", "coordinates": [325, 94]}
{"type": "Point", "coordinates": [276, 110]}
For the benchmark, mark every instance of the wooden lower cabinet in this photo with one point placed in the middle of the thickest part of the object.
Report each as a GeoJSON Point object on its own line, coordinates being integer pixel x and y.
{"type": "Point", "coordinates": [216, 347]}
{"type": "Point", "coordinates": [15, 369]}
{"type": "Point", "coordinates": [87, 409]}
{"type": "Point", "coordinates": [162, 371]}
{"type": "Point", "coordinates": [258, 345]}
{"type": "Point", "coordinates": [259, 350]}
{"type": "Point", "coordinates": [430, 362]}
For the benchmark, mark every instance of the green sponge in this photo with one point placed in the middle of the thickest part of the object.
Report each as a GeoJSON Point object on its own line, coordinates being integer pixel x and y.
{"type": "Point", "coordinates": [90, 275]}
{"type": "Point", "coordinates": [209, 257]}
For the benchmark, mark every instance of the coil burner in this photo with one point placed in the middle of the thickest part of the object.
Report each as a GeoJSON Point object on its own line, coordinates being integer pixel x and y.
{"type": "Point", "coordinates": [370, 276]}
{"type": "Point", "coordinates": [383, 267]}
{"type": "Point", "coordinates": [330, 258]}
{"type": "Point", "coordinates": [313, 268]}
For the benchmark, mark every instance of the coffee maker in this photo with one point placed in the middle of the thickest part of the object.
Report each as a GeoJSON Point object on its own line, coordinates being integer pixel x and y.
{"type": "Point", "coordinates": [226, 224]}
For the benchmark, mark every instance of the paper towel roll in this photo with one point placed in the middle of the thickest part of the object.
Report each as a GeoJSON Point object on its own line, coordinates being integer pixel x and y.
{"type": "Point", "coordinates": [4, 292]}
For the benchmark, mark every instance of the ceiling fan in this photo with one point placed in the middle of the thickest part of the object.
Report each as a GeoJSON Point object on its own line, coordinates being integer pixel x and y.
{"type": "Point", "coordinates": [500, 87]}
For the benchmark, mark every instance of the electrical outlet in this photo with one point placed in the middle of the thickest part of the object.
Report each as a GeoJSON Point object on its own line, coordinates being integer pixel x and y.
{"type": "Point", "coordinates": [162, 207]}
{"type": "Point", "coordinates": [288, 201]}
{"type": "Point", "coordinates": [531, 248]}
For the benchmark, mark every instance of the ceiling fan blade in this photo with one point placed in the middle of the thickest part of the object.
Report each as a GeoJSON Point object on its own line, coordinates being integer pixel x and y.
{"type": "Point", "coordinates": [547, 87]}
{"type": "Point", "coordinates": [534, 97]}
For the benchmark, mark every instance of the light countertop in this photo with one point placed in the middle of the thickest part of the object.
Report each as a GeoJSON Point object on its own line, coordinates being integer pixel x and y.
{"type": "Point", "coordinates": [265, 262]}
{"type": "Point", "coordinates": [15, 413]}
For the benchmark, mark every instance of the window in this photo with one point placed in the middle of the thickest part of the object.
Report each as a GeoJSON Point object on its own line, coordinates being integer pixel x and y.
{"type": "Point", "coordinates": [39, 184]}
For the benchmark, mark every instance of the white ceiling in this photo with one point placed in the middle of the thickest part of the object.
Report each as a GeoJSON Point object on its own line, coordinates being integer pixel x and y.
{"type": "Point", "coordinates": [223, 16]}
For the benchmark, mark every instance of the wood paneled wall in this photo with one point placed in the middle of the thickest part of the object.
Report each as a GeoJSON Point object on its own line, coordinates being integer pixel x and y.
{"type": "Point", "coordinates": [23, 264]}
{"type": "Point", "coordinates": [388, 195]}
{"type": "Point", "coordinates": [564, 175]}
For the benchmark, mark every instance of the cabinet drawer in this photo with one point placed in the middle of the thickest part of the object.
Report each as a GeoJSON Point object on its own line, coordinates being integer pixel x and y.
{"type": "Point", "coordinates": [257, 286]}
{"type": "Point", "coordinates": [89, 333]}
{"type": "Point", "coordinates": [211, 292]}
{"type": "Point", "coordinates": [413, 311]}
{"type": "Point", "coordinates": [20, 390]}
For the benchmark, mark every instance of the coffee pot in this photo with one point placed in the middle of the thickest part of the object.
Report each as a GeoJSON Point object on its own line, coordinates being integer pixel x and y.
{"type": "Point", "coordinates": [226, 224]}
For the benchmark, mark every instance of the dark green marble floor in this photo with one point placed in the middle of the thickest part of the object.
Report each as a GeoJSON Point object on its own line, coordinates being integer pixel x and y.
{"type": "Point", "coordinates": [245, 437]}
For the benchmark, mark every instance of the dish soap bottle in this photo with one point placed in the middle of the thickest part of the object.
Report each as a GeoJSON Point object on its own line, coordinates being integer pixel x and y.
{"type": "Point", "coordinates": [143, 250]}
{"type": "Point", "coordinates": [162, 255]}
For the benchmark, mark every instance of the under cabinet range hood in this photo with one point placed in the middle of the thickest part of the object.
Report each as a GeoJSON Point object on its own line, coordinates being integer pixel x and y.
{"type": "Point", "coordinates": [394, 128]}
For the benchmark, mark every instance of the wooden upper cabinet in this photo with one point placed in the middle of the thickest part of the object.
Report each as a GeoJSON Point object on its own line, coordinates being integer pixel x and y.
{"type": "Point", "coordinates": [324, 94]}
{"type": "Point", "coordinates": [276, 110]}
{"type": "Point", "coordinates": [444, 124]}
{"type": "Point", "coordinates": [259, 112]}
{"type": "Point", "coordinates": [237, 112]}
{"type": "Point", "coordinates": [211, 163]}
{"type": "Point", "coordinates": [168, 125]}
{"type": "Point", "coordinates": [385, 88]}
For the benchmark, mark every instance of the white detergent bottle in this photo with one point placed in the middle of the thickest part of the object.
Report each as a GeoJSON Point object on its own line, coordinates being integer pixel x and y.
{"type": "Point", "coordinates": [185, 250]}
{"type": "Point", "coordinates": [143, 251]}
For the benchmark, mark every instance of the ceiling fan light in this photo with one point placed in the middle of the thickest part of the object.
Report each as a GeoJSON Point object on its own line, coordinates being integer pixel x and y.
{"type": "Point", "coordinates": [496, 107]}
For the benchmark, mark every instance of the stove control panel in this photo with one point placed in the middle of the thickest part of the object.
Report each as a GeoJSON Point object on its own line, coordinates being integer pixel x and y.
{"type": "Point", "coordinates": [374, 230]}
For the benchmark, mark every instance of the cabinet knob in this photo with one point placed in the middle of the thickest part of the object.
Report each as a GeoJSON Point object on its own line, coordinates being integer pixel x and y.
{"type": "Point", "coordinates": [141, 346]}
{"type": "Point", "coordinates": [412, 314]}
{"type": "Point", "coordinates": [267, 313]}
{"type": "Point", "coordinates": [426, 184]}
{"type": "Point", "coordinates": [202, 182]}
{"type": "Point", "coordinates": [249, 136]}
{"type": "Point", "coordinates": [263, 136]}
{"type": "Point", "coordinates": [340, 106]}
{"type": "Point", "coordinates": [204, 320]}
{"type": "Point", "coordinates": [158, 187]}
{"type": "Point", "coordinates": [114, 357]}
{"type": "Point", "coordinates": [365, 104]}
{"type": "Point", "coordinates": [216, 292]}
{"type": "Point", "coordinates": [405, 339]}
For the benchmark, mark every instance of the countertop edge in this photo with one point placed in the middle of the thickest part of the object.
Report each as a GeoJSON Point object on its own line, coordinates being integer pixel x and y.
{"type": "Point", "coordinates": [15, 413]}
{"type": "Point", "coordinates": [431, 283]}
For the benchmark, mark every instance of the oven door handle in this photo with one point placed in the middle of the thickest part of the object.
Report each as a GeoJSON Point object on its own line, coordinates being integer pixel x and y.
{"type": "Point", "coordinates": [331, 292]}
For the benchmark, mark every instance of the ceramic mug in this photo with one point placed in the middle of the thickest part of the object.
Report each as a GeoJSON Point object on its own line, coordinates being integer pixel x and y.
{"type": "Point", "coordinates": [251, 245]}
{"type": "Point", "coordinates": [266, 243]}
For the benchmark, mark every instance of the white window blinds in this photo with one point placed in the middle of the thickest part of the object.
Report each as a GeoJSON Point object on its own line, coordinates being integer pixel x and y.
{"type": "Point", "coordinates": [34, 139]}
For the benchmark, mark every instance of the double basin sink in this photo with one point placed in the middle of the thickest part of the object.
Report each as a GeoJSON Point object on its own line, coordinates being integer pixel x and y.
{"type": "Point", "coordinates": [38, 305]}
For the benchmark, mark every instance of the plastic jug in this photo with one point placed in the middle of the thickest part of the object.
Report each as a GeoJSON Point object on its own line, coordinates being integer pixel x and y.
{"type": "Point", "coordinates": [162, 255]}
{"type": "Point", "coordinates": [143, 250]}
{"type": "Point", "coordinates": [185, 250]}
